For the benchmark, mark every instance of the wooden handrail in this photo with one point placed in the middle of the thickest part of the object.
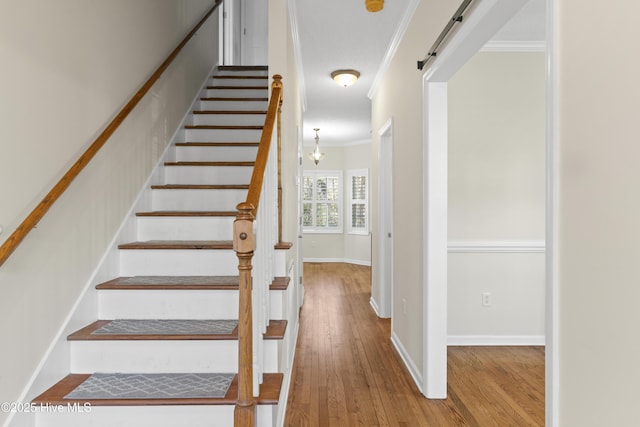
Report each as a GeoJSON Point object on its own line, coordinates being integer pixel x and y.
{"type": "Point", "coordinates": [10, 245]}
{"type": "Point", "coordinates": [244, 244]}
{"type": "Point", "coordinates": [270, 122]}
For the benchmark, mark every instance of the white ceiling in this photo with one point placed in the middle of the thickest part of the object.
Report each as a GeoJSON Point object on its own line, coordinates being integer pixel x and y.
{"type": "Point", "coordinates": [335, 34]}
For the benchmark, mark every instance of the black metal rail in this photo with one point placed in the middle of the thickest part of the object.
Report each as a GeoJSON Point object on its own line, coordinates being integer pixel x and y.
{"type": "Point", "coordinates": [457, 18]}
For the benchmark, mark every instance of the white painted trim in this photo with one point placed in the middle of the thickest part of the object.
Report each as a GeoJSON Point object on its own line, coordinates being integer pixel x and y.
{"type": "Point", "coordinates": [496, 340]}
{"type": "Point", "coordinates": [435, 212]}
{"type": "Point", "coordinates": [342, 260]}
{"type": "Point", "coordinates": [514, 46]}
{"type": "Point", "coordinates": [481, 23]}
{"type": "Point", "coordinates": [385, 157]}
{"type": "Point", "coordinates": [393, 46]}
{"type": "Point", "coordinates": [552, 320]}
{"type": "Point", "coordinates": [286, 382]}
{"type": "Point", "coordinates": [497, 247]}
{"type": "Point", "coordinates": [406, 359]}
{"type": "Point", "coordinates": [295, 37]}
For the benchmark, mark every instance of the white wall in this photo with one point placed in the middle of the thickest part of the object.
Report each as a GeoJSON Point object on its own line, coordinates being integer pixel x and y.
{"type": "Point", "coordinates": [399, 96]}
{"type": "Point", "coordinates": [598, 213]}
{"type": "Point", "coordinates": [345, 246]}
{"type": "Point", "coordinates": [497, 199]}
{"type": "Point", "coordinates": [73, 66]}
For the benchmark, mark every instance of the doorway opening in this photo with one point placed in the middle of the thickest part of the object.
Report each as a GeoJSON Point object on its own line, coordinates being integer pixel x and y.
{"type": "Point", "coordinates": [485, 21]}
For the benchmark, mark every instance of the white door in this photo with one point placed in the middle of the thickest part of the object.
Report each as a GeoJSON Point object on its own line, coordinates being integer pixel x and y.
{"type": "Point", "coordinates": [385, 223]}
{"type": "Point", "coordinates": [254, 32]}
{"type": "Point", "coordinates": [232, 14]}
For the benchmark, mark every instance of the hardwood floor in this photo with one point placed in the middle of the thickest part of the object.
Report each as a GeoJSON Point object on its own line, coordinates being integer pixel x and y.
{"type": "Point", "coordinates": [346, 372]}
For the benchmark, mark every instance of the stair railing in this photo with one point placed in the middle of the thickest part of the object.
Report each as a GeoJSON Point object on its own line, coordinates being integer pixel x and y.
{"type": "Point", "coordinates": [32, 220]}
{"type": "Point", "coordinates": [255, 232]}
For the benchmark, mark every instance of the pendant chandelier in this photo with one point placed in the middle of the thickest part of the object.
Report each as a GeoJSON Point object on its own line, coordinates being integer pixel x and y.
{"type": "Point", "coordinates": [316, 155]}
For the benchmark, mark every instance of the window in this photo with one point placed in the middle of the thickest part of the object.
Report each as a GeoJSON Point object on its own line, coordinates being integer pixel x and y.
{"type": "Point", "coordinates": [358, 186]}
{"type": "Point", "coordinates": [322, 202]}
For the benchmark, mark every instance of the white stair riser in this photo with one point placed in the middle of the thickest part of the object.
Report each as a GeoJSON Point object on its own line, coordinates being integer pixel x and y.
{"type": "Point", "coordinates": [164, 356]}
{"type": "Point", "coordinates": [196, 199]}
{"type": "Point", "coordinates": [229, 119]}
{"type": "Point", "coordinates": [178, 262]}
{"type": "Point", "coordinates": [236, 93]}
{"type": "Point", "coordinates": [242, 73]}
{"type": "Point", "coordinates": [280, 263]}
{"type": "Point", "coordinates": [239, 82]}
{"type": "Point", "coordinates": [278, 305]}
{"type": "Point", "coordinates": [223, 135]}
{"type": "Point", "coordinates": [219, 175]}
{"type": "Point", "coordinates": [185, 228]}
{"type": "Point", "coordinates": [180, 304]}
{"type": "Point", "coordinates": [233, 105]}
{"type": "Point", "coordinates": [216, 154]}
{"type": "Point", "coordinates": [168, 304]}
{"type": "Point", "coordinates": [150, 416]}
{"type": "Point", "coordinates": [154, 356]}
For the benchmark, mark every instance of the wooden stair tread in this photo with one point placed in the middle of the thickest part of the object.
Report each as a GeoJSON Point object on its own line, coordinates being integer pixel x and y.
{"type": "Point", "coordinates": [217, 98]}
{"type": "Point", "coordinates": [224, 127]}
{"type": "Point", "coordinates": [217, 144]}
{"type": "Point", "coordinates": [189, 244]}
{"type": "Point", "coordinates": [234, 77]}
{"type": "Point", "coordinates": [209, 163]}
{"type": "Point", "coordinates": [187, 213]}
{"type": "Point", "coordinates": [183, 283]}
{"type": "Point", "coordinates": [179, 244]}
{"type": "Point", "coordinates": [201, 187]}
{"type": "Point", "coordinates": [243, 67]}
{"type": "Point", "coordinates": [275, 331]}
{"type": "Point", "coordinates": [238, 87]}
{"type": "Point", "coordinates": [280, 283]}
{"type": "Point", "coordinates": [269, 394]}
{"type": "Point", "coordinates": [284, 245]}
{"type": "Point", "coordinates": [248, 112]}
{"type": "Point", "coordinates": [171, 282]}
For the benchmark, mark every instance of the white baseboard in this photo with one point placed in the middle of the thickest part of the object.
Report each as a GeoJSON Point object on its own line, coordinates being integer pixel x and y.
{"type": "Point", "coordinates": [343, 260]}
{"type": "Point", "coordinates": [411, 367]}
{"type": "Point", "coordinates": [286, 382]}
{"type": "Point", "coordinates": [374, 305]}
{"type": "Point", "coordinates": [496, 340]}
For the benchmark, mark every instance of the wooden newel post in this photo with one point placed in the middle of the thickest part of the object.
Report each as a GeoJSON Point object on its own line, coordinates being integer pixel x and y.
{"type": "Point", "coordinates": [244, 244]}
{"type": "Point", "coordinates": [279, 148]}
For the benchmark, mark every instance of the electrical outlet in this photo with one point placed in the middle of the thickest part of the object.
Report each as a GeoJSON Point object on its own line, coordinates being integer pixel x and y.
{"type": "Point", "coordinates": [404, 306]}
{"type": "Point", "coordinates": [486, 299]}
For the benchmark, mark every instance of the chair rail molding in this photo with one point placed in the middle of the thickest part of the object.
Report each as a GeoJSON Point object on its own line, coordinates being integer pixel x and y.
{"type": "Point", "coordinates": [497, 246]}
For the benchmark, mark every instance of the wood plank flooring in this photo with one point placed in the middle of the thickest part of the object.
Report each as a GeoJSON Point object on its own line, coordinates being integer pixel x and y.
{"type": "Point", "coordinates": [346, 372]}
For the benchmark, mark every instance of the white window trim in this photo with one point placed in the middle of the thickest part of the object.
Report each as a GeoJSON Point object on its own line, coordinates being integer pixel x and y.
{"type": "Point", "coordinates": [340, 202]}
{"type": "Point", "coordinates": [358, 231]}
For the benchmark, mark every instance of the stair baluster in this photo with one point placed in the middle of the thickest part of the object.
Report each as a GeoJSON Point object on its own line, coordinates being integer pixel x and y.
{"type": "Point", "coordinates": [254, 234]}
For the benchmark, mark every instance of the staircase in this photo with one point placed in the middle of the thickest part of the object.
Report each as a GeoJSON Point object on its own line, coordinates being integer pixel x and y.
{"type": "Point", "coordinates": [172, 312]}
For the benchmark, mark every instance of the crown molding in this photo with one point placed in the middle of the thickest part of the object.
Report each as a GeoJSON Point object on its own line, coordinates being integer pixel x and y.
{"type": "Point", "coordinates": [393, 46]}
{"type": "Point", "coordinates": [514, 46]}
{"type": "Point", "coordinates": [295, 36]}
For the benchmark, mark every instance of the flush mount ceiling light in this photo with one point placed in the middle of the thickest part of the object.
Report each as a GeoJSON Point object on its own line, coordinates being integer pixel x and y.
{"type": "Point", "coordinates": [374, 5]}
{"type": "Point", "coordinates": [316, 155]}
{"type": "Point", "coordinates": [345, 77]}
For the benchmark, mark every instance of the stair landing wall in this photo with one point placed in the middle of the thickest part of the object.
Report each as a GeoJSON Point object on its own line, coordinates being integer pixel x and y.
{"type": "Point", "coordinates": [49, 283]}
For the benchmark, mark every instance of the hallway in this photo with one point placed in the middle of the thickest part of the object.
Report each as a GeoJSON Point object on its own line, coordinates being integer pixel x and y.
{"type": "Point", "coordinates": [346, 372]}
